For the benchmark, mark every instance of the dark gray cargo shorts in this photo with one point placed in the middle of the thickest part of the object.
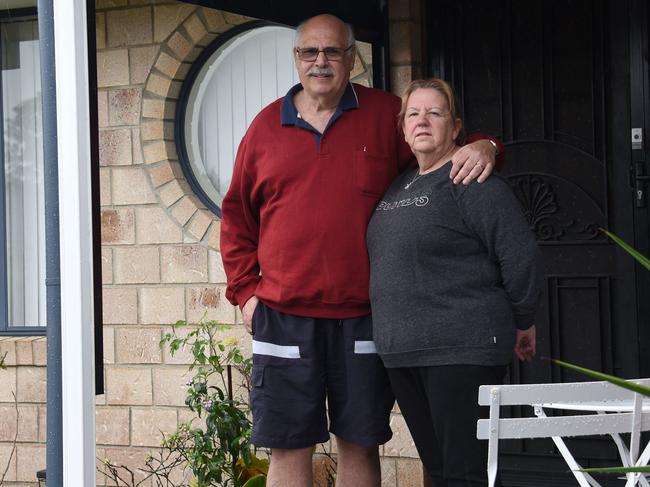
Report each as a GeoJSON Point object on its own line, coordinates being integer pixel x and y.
{"type": "Point", "coordinates": [301, 363]}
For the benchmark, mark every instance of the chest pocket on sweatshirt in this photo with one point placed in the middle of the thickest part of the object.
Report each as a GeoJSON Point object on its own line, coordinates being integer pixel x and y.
{"type": "Point", "coordinates": [372, 174]}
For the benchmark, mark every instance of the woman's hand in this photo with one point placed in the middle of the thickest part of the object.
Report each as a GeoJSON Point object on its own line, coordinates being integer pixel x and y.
{"type": "Point", "coordinates": [525, 344]}
{"type": "Point", "coordinates": [473, 161]}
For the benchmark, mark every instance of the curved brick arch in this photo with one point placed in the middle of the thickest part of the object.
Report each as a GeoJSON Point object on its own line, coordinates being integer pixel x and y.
{"type": "Point", "coordinates": [170, 68]}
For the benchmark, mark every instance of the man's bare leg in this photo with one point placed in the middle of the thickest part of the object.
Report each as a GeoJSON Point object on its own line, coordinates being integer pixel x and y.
{"type": "Point", "coordinates": [290, 468]}
{"type": "Point", "coordinates": [357, 466]}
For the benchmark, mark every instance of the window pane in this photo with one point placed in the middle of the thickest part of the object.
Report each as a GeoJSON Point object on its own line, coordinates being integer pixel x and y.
{"type": "Point", "coordinates": [23, 174]}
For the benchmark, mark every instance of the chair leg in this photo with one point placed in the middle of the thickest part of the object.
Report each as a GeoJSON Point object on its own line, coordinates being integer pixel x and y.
{"type": "Point", "coordinates": [493, 444]}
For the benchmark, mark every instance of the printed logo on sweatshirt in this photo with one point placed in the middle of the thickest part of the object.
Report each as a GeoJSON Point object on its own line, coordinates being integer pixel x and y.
{"type": "Point", "coordinates": [420, 200]}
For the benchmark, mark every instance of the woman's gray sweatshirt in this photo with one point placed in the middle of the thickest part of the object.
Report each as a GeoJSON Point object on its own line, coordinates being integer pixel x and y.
{"type": "Point", "coordinates": [454, 270]}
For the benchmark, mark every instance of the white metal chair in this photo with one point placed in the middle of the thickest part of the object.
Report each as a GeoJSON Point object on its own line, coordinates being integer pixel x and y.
{"type": "Point", "coordinates": [615, 410]}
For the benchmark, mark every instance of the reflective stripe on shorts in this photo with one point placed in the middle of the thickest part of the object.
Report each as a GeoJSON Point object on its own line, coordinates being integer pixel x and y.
{"type": "Point", "coordinates": [273, 350]}
{"type": "Point", "coordinates": [365, 346]}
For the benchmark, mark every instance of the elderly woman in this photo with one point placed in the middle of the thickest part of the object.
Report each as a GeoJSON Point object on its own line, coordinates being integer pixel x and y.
{"type": "Point", "coordinates": [454, 287]}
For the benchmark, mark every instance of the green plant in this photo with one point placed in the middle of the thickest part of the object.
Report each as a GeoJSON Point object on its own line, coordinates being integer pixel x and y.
{"type": "Point", "coordinates": [2, 360]}
{"type": "Point", "coordinates": [219, 453]}
{"type": "Point", "coordinates": [638, 388]}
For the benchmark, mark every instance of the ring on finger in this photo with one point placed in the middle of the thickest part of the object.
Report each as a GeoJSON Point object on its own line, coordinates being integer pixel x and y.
{"type": "Point", "coordinates": [479, 165]}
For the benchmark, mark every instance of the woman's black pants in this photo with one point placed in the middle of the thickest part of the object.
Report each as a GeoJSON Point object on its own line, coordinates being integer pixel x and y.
{"type": "Point", "coordinates": [440, 406]}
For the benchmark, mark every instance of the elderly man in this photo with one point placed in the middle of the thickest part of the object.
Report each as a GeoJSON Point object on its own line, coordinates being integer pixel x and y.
{"type": "Point", "coordinates": [308, 174]}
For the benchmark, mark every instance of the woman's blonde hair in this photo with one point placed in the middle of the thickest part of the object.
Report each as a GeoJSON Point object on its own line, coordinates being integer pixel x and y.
{"type": "Point", "coordinates": [442, 87]}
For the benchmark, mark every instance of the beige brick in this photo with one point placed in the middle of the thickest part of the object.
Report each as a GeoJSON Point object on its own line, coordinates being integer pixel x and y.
{"type": "Point", "coordinates": [8, 350]}
{"type": "Point", "coordinates": [186, 263]}
{"type": "Point", "coordinates": [167, 65]}
{"type": "Point", "coordinates": [401, 444]}
{"type": "Point", "coordinates": [118, 226]}
{"type": "Point", "coordinates": [186, 416]}
{"type": "Point", "coordinates": [8, 381]}
{"type": "Point", "coordinates": [102, 108]}
{"type": "Point", "coordinates": [159, 85]}
{"type": "Point", "coordinates": [8, 461]}
{"type": "Point", "coordinates": [155, 226]}
{"type": "Point", "coordinates": [214, 20]}
{"type": "Point", "coordinates": [129, 27]}
{"type": "Point", "coordinates": [120, 305]}
{"type": "Point", "coordinates": [27, 422]}
{"type": "Point", "coordinates": [29, 460]}
{"type": "Point", "coordinates": [112, 68]}
{"type": "Point", "coordinates": [168, 17]}
{"type": "Point", "coordinates": [171, 193]}
{"type": "Point", "coordinates": [195, 29]}
{"type": "Point", "coordinates": [210, 302]}
{"type": "Point", "coordinates": [148, 425]}
{"type": "Point", "coordinates": [400, 77]}
{"type": "Point", "coordinates": [388, 472]}
{"type": "Point", "coordinates": [409, 473]}
{"type": "Point", "coordinates": [154, 108]}
{"type": "Point", "coordinates": [159, 150]}
{"type": "Point", "coordinates": [115, 147]}
{"type": "Point", "coordinates": [100, 30]}
{"type": "Point", "coordinates": [137, 146]}
{"type": "Point", "coordinates": [179, 45]}
{"type": "Point", "coordinates": [184, 209]}
{"type": "Point", "coordinates": [24, 352]}
{"type": "Point", "coordinates": [175, 90]}
{"type": "Point", "coordinates": [162, 305]}
{"type": "Point", "coordinates": [214, 234]}
{"type": "Point", "coordinates": [130, 187]}
{"type": "Point", "coordinates": [124, 106]}
{"type": "Point", "coordinates": [31, 384]}
{"type": "Point", "coordinates": [216, 272]}
{"type": "Point", "coordinates": [107, 265]}
{"type": "Point", "coordinates": [112, 425]}
{"type": "Point", "coordinates": [182, 356]}
{"type": "Point", "coordinates": [137, 345]}
{"type": "Point", "coordinates": [105, 197]}
{"type": "Point", "coordinates": [8, 423]}
{"type": "Point", "coordinates": [170, 385]}
{"type": "Point", "coordinates": [236, 19]}
{"type": "Point", "coordinates": [164, 172]}
{"type": "Point", "coordinates": [131, 458]}
{"type": "Point", "coordinates": [153, 130]}
{"type": "Point", "coordinates": [108, 333]}
{"type": "Point", "coordinates": [128, 385]}
{"type": "Point", "coordinates": [141, 60]}
{"type": "Point", "coordinates": [183, 69]}
{"type": "Point", "coordinates": [39, 349]}
{"type": "Point", "coordinates": [199, 224]}
{"type": "Point", "coordinates": [110, 3]}
{"type": "Point", "coordinates": [136, 265]}
{"type": "Point", "coordinates": [42, 424]}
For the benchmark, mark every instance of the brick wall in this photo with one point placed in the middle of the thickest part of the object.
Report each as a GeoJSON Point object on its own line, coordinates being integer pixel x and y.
{"type": "Point", "coordinates": [22, 409]}
{"type": "Point", "coordinates": [160, 259]}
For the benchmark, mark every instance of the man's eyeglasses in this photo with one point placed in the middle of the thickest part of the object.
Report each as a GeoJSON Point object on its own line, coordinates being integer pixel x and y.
{"type": "Point", "coordinates": [331, 53]}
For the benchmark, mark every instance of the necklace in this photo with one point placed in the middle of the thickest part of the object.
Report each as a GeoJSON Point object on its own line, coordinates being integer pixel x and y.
{"type": "Point", "coordinates": [418, 175]}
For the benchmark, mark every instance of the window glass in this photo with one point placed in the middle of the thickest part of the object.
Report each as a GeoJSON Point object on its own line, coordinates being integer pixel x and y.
{"type": "Point", "coordinates": [24, 211]}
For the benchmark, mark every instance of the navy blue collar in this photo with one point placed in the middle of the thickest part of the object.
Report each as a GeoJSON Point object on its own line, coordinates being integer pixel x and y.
{"type": "Point", "coordinates": [290, 116]}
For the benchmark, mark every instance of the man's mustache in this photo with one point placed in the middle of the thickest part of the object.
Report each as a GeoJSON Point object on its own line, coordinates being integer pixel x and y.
{"type": "Point", "coordinates": [327, 71]}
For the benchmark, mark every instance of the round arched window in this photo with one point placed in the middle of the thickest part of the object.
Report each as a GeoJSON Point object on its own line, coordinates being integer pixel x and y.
{"type": "Point", "coordinates": [244, 70]}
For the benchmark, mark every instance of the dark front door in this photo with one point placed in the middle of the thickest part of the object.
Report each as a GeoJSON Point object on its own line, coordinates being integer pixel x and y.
{"type": "Point", "coordinates": [553, 80]}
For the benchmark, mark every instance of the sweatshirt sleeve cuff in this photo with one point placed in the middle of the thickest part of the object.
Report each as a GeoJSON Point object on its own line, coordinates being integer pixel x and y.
{"type": "Point", "coordinates": [525, 321]}
{"type": "Point", "coordinates": [245, 292]}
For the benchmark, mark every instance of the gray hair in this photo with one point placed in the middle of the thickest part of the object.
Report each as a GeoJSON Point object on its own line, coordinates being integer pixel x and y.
{"type": "Point", "coordinates": [350, 31]}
